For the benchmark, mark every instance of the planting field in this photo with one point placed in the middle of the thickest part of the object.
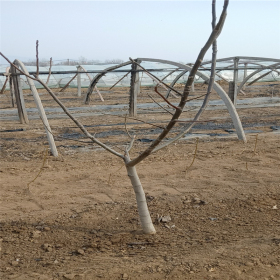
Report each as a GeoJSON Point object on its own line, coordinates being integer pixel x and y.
{"type": "Point", "coordinates": [215, 201]}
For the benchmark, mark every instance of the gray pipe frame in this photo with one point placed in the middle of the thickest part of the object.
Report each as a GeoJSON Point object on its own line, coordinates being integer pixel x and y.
{"type": "Point", "coordinates": [253, 74]}
{"type": "Point", "coordinates": [231, 109]}
{"type": "Point", "coordinates": [79, 84]}
{"type": "Point", "coordinates": [235, 80]}
{"type": "Point", "coordinates": [95, 80]}
{"type": "Point", "coordinates": [175, 81]}
{"type": "Point", "coordinates": [243, 57]}
{"type": "Point", "coordinates": [40, 109]}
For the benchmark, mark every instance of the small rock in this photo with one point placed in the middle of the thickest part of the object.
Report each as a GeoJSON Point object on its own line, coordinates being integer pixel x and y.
{"type": "Point", "coordinates": [196, 200]}
{"type": "Point", "coordinates": [80, 251]}
{"type": "Point", "coordinates": [124, 276]}
{"type": "Point", "coordinates": [14, 263]}
{"type": "Point", "coordinates": [115, 240]}
{"type": "Point", "coordinates": [58, 246]}
{"type": "Point", "coordinates": [274, 207]}
{"type": "Point", "coordinates": [13, 276]}
{"type": "Point", "coordinates": [47, 247]}
{"type": "Point", "coordinates": [164, 219]}
{"type": "Point", "coordinates": [80, 276]}
{"type": "Point", "coordinates": [47, 229]}
{"type": "Point", "coordinates": [36, 234]}
{"type": "Point", "coordinates": [70, 276]}
{"type": "Point", "coordinates": [149, 198]}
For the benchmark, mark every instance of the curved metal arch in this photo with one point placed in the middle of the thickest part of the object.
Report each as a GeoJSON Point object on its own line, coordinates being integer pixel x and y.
{"type": "Point", "coordinates": [175, 81]}
{"type": "Point", "coordinates": [95, 80]}
{"type": "Point", "coordinates": [254, 73]}
{"type": "Point", "coordinates": [231, 109]}
{"type": "Point", "coordinates": [171, 72]}
{"type": "Point", "coordinates": [243, 57]}
{"type": "Point", "coordinates": [39, 107]}
{"type": "Point", "coordinates": [98, 92]}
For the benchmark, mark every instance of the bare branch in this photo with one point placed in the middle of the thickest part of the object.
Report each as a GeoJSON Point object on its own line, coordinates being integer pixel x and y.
{"type": "Point", "coordinates": [130, 145]}
{"type": "Point", "coordinates": [166, 99]}
{"type": "Point", "coordinates": [65, 138]}
{"type": "Point", "coordinates": [50, 71]}
{"type": "Point", "coordinates": [37, 59]}
{"type": "Point", "coordinates": [32, 78]}
{"type": "Point", "coordinates": [193, 155]}
{"type": "Point", "coordinates": [66, 86]}
{"type": "Point", "coordinates": [119, 80]}
{"type": "Point", "coordinates": [209, 89]}
{"type": "Point", "coordinates": [159, 104]}
{"type": "Point", "coordinates": [196, 97]}
{"type": "Point", "coordinates": [215, 33]}
{"type": "Point", "coordinates": [126, 128]}
{"type": "Point", "coordinates": [154, 77]}
{"type": "Point", "coordinates": [82, 128]}
{"type": "Point", "coordinates": [4, 86]}
{"type": "Point", "coordinates": [143, 122]}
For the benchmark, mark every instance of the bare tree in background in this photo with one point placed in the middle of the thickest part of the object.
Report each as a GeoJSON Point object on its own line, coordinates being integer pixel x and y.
{"type": "Point", "coordinates": [130, 164]}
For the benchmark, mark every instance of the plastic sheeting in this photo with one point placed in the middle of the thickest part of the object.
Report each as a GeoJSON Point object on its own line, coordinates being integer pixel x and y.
{"type": "Point", "coordinates": [108, 80]}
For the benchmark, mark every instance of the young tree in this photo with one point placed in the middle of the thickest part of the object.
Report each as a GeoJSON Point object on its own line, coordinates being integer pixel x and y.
{"type": "Point", "coordinates": [130, 164]}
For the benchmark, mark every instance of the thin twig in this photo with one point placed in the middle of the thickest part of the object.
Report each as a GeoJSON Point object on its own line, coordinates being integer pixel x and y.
{"type": "Point", "coordinates": [182, 121]}
{"type": "Point", "coordinates": [41, 169]}
{"type": "Point", "coordinates": [193, 155]}
{"type": "Point", "coordinates": [166, 99]}
{"type": "Point", "coordinates": [159, 81]}
{"type": "Point", "coordinates": [130, 145]}
{"type": "Point", "coordinates": [196, 97]}
{"type": "Point", "coordinates": [4, 86]}
{"type": "Point", "coordinates": [120, 80]}
{"type": "Point", "coordinates": [256, 143]}
{"type": "Point", "coordinates": [159, 104]}
{"type": "Point", "coordinates": [65, 138]}
{"type": "Point", "coordinates": [141, 121]}
{"type": "Point", "coordinates": [110, 175]}
{"type": "Point", "coordinates": [68, 83]}
{"type": "Point", "coordinates": [254, 151]}
{"type": "Point", "coordinates": [126, 128]}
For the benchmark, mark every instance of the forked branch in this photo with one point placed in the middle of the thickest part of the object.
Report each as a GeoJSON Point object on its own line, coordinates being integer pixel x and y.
{"type": "Point", "coordinates": [214, 35]}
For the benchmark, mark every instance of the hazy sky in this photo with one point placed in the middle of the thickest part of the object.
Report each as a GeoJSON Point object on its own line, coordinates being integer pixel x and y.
{"type": "Point", "coordinates": [174, 30]}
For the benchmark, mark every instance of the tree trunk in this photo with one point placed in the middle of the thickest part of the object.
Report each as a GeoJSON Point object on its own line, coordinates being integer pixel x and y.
{"type": "Point", "coordinates": [144, 214]}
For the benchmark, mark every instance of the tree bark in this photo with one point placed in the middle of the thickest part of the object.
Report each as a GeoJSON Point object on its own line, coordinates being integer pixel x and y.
{"type": "Point", "coordinates": [143, 211]}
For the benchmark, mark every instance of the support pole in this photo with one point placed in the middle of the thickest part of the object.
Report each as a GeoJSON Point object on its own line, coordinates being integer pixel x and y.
{"type": "Point", "coordinates": [231, 91]}
{"type": "Point", "coordinates": [235, 80]}
{"type": "Point", "coordinates": [134, 89]}
{"type": "Point", "coordinates": [19, 96]}
{"type": "Point", "coordinates": [245, 73]}
{"type": "Point", "coordinates": [12, 91]}
{"type": "Point", "coordinates": [79, 83]}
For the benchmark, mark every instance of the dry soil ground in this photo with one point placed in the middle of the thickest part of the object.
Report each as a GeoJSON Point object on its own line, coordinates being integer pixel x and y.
{"type": "Point", "coordinates": [75, 217]}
